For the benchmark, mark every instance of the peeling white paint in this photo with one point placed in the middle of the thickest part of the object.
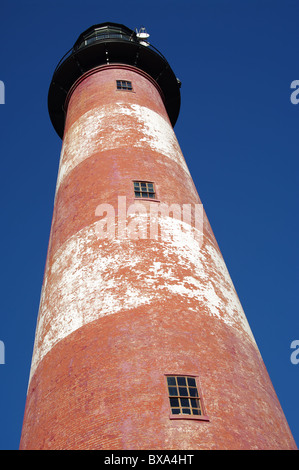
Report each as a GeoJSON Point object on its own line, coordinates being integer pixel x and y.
{"type": "Point", "coordinates": [128, 125]}
{"type": "Point", "coordinates": [91, 278]}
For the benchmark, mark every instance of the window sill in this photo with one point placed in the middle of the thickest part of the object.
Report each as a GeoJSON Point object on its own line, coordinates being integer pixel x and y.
{"type": "Point", "coordinates": [190, 417]}
{"type": "Point", "coordinates": [130, 91]}
{"type": "Point", "coordinates": [146, 199]}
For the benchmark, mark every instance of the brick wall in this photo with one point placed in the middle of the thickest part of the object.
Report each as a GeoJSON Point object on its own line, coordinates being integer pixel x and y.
{"type": "Point", "coordinates": [117, 314]}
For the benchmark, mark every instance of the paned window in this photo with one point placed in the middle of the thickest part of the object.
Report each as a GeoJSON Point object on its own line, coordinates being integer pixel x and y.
{"type": "Point", "coordinates": [183, 395]}
{"type": "Point", "coordinates": [144, 189]}
{"type": "Point", "coordinates": [124, 85]}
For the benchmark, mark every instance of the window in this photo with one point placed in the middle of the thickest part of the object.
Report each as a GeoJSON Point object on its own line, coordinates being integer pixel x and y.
{"type": "Point", "coordinates": [144, 189]}
{"type": "Point", "coordinates": [124, 85]}
{"type": "Point", "coordinates": [183, 396]}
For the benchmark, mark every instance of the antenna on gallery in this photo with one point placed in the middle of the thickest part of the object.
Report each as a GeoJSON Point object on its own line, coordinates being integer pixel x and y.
{"type": "Point", "coordinates": [141, 35]}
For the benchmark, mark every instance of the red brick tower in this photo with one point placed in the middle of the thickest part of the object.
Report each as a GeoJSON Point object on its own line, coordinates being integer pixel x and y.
{"type": "Point", "coordinates": [141, 341]}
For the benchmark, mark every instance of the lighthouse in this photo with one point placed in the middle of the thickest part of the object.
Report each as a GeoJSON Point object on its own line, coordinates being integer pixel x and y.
{"type": "Point", "coordinates": [141, 341]}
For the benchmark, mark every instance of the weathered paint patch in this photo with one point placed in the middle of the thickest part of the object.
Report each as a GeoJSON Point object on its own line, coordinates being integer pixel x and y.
{"type": "Point", "coordinates": [91, 278]}
{"type": "Point", "coordinates": [133, 125]}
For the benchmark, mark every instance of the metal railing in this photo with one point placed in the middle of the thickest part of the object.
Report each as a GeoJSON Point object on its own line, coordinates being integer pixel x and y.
{"type": "Point", "coordinates": [107, 37]}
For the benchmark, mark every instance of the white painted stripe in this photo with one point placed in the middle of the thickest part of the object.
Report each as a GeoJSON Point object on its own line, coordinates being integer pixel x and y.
{"type": "Point", "coordinates": [128, 125]}
{"type": "Point", "coordinates": [91, 278]}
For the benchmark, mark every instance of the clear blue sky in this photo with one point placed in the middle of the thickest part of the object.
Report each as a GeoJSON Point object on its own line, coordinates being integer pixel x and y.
{"type": "Point", "coordinates": [238, 132]}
